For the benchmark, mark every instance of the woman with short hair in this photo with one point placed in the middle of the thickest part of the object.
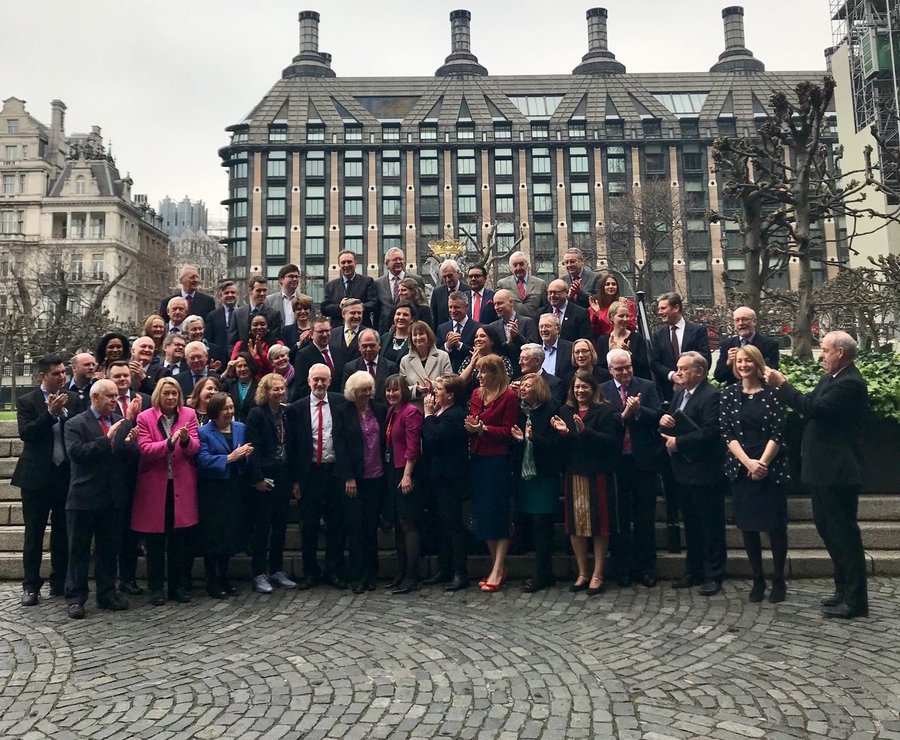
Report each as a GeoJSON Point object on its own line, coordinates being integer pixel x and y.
{"type": "Point", "coordinates": [424, 362]}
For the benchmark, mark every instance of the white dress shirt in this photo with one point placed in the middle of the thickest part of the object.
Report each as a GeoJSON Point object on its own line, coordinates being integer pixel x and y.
{"type": "Point", "coordinates": [327, 429]}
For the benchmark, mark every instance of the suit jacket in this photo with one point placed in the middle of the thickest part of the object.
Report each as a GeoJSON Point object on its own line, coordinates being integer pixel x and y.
{"type": "Point", "coordinates": [338, 345]}
{"type": "Point", "coordinates": [262, 433]}
{"type": "Point", "coordinates": [439, 296]}
{"type": "Point", "coordinates": [217, 333]}
{"type": "Point", "coordinates": [597, 450]}
{"type": "Point", "coordinates": [83, 394]}
{"type": "Point", "coordinates": [412, 368]}
{"type": "Point", "coordinates": [348, 439]}
{"type": "Point", "coordinates": [298, 418]}
{"type": "Point", "coordinates": [535, 295]}
{"type": "Point", "coordinates": [384, 368]}
{"type": "Point", "coordinates": [460, 353]}
{"type": "Point", "coordinates": [34, 468]}
{"type": "Point", "coordinates": [640, 358]}
{"type": "Point", "coordinates": [290, 337]}
{"type": "Point", "coordinates": [385, 295]}
{"type": "Point", "coordinates": [241, 408]}
{"type": "Point", "coordinates": [699, 459]}
{"type": "Point", "coordinates": [276, 303]}
{"type": "Point", "coordinates": [588, 286]}
{"type": "Point", "coordinates": [834, 411]}
{"type": "Point", "coordinates": [201, 305]}
{"type": "Point", "coordinates": [563, 359]}
{"type": "Point", "coordinates": [576, 323]}
{"type": "Point", "coordinates": [445, 446]}
{"type": "Point", "coordinates": [766, 345]}
{"type": "Point", "coordinates": [547, 444]}
{"type": "Point", "coordinates": [557, 388]}
{"type": "Point", "coordinates": [361, 287]}
{"type": "Point", "coordinates": [662, 357]}
{"type": "Point", "coordinates": [643, 428]}
{"type": "Point", "coordinates": [215, 449]}
{"type": "Point", "coordinates": [528, 334]}
{"type": "Point", "coordinates": [311, 355]}
{"type": "Point", "coordinates": [241, 321]}
{"type": "Point", "coordinates": [488, 312]}
{"type": "Point", "coordinates": [99, 477]}
{"type": "Point", "coordinates": [405, 439]}
{"type": "Point", "coordinates": [186, 381]}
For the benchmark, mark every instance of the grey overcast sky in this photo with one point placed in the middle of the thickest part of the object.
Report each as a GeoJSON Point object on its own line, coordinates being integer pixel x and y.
{"type": "Point", "coordinates": [163, 79]}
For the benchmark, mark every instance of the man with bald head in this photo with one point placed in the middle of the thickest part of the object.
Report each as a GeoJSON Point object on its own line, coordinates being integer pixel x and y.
{"type": "Point", "coordinates": [177, 311]}
{"type": "Point", "coordinates": [195, 302]}
{"type": "Point", "coordinates": [574, 322]}
{"type": "Point", "coordinates": [84, 365]}
{"type": "Point", "coordinates": [832, 466]}
{"type": "Point", "coordinates": [529, 292]}
{"type": "Point", "coordinates": [516, 329]}
{"type": "Point", "coordinates": [745, 333]}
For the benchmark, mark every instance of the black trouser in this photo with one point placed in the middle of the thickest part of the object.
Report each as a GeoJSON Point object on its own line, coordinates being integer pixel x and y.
{"type": "Point", "coordinates": [361, 519]}
{"type": "Point", "coordinates": [407, 513]}
{"type": "Point", "coordinates": [165, 551]}
{"type": "Point", "coordinates": [447, 495]}
{"type": "Point", "coordinates": [39, 504]}
{"type": "Point", "coordinates": [270, 515]}
{"type": "Point", "coordinates": [634, 545]}
{"type": "Point", "coordinates": [703, 510]}
{"type": "Point", "coordinates": [542, 529]}
{"type": "Point", "coordinates": [216, 570]}
{"type": "Point", "coordinates": [834, 512]}
{"type": "Point", "coordinates": [128, 548]}
{"type": "Point", "coordinates": [322, 494]}
{"type": "Point", "coordinates": [104, 527]}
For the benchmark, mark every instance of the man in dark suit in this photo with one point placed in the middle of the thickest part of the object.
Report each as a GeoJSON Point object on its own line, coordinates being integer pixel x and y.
{"type": "Point", "coordinates": [99, 442]}
{"type": "Point", "coordinates": [745, 333]}
{"type": "Point", "coordinates": [42, 475]}
{"type": "Point", "coordinates": [173, 363]}
{"type": "Point", "coordinates": [531, 358]}
{"type": "Point", "coordinates": [312, 437]}
{"type": "Point", "coordinates": [557, 352]}
{"type": "Point", "coordinates": [282, 301]}
{"type": "Point", "coordinates": [529, 292]}
{"type": "Point", "coordinates": [371, 361]}
{"type": "Point", "coordinates": [581, 282]}
{"type": "Point", "coordinates": [457, 336]}
{"type": "Point", "coordinates": [675, 337]}
{"type": "Point", "coordinates": [481, 306]}
{"type": "Point", "coordinates": [197, 360]}
{"type": "Point", "coordinates": [451, 282]}
{"type": "Point", "coordinates": [198, 303]}
{"type": "Point", "coordinates": [832, 466]}
{"type": "Point", "coordinates": [345, 337]}
{"type": "Point", "coordinates": [84, 365]}
{"type": "Point", "coordinates": [515, 329]}
{"type": "Point", "coordinates": [387, 286]}
{"type": "Point", "coordinates": [636, 402]}
{"type": "Point", "coordinates": [256, 292]}
{"type": "Point", "coordinates": [350, 285]}
{"type": "Point", "coordinates": [574, 322]}
{"type": "Point", "coordinates": [319, 350]}
{"type": "Point", "coordinates": [219, 324]}
{"type": "Point", "coordinates": [695, 446]}
{"type": "Point", "coordinates": [195, 331]}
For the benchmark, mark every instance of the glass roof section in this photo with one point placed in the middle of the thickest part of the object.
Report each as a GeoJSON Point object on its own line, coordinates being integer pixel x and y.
{"type": "Point", "coordinates": [537, 106]}
{"type": "Point", "coordinates": [682, 104]}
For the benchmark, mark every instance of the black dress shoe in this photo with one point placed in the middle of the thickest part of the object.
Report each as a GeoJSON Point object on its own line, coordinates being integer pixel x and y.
{"type": "Point", "coordinates": [31, 598]}
{"type": "Point", "coordinates": [114, 604]}
{"type": "Point", "coordinates": [228, 589]}
{"type": "Point", "coordinates": [358, 588]}
{"type": "Point", "coordinates": [758, 590]}
{"type": "Point", "coordinates": [598, 589]}
{"type": "Point", "coordinates": [75, 611]}
{"type": "Point", "coordinates": [843, 611]}
{"type": "Point", "coordinates": [131, 588]}
{"type": "Point", "coordinates": [437, 578]}
{"type": "Point", "coordinates": [684, 582]}
{"type": "Point", "coordinates": [647, 580]}
{"type": "Point", "coordinates": [371, 585]}
{"type": "Point", "coordinates": [305, 583]}
{"type": "Point", "coordinates": [533, 585]}
{"type": "Point", "coordinates": [57, 590]}
{"type": "Point", "coordinates": [214, 592]}
{"type": "Point", "coordinates": [181, 596]}
{"type": "Point", "coordinates": [778, 592]}
{"type": "Point", "coordinates": [457, 584]}
{"type": "Point", "coordinates": [157, 598]}
{"type": "Point", "coordinates": [709, 588]}
{"type": "Point", "coordinates": [336, 582]}
{"type": "Point", "coordinates": [834, 600]}
{"type": "Point", "coordinates": [405, 587]}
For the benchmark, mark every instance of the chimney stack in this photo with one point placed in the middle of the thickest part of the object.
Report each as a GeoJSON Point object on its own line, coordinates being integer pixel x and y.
{"type": "Point", "coordinates": [56, 146]}
{"type": "Point", "coordinates": [461, 60]}
{"type": "Point", "coordinates": [736, 57]}
{"type": "Point", "coordinates": [310, 62]}
{"type": "Point", "coordinates": [598, 60]}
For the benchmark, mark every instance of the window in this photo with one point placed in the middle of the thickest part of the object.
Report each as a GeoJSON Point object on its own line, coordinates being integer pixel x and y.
{"type": "Point", "coordinates": [238, 137]}
{"type": "Point", "coordinates": [79, 185]}
{"type": "Point", "coordinates": [23, 182]}
{"type": "Point", "coordinates": [353, 133]}
{"type": "Point", "coordinates": [428, 162]}
{"type": "Point", "coordinates": [315, 165]}
{"type": "Point", "coordinates": [615, 160]}
{"type": "Point", "coordinates": [12, 222]}
{"type": "Point", "coordinates": [390, 200]}
{"type": "Point", "coordinates": [428, 132]}
{"type": "Point", "coordinates": [98, 226]}
{"type": "Point", "coordinates": [353, 163]}
{"type": "Point", "coordinates": [690, 128]}
{"type": "Point", "coordinates": [615, 129]}
{"type": "Point", "coordinates": [581, 198]}
{"type": "Point", "coordinates": [239, 248]}
{"type": "Point", "coordinates": [353, 240]}
{"type": "Point", "coordinates": [537, 105]}
{"type": "Point", "coordinates": [578, 161]}
{"type": "Point", "coordinates": [315, 281]}
{"type": "Point", "coordinates": [9, 184]}
{"type": "Point", "coordinates": [503, 162]}
{"type": "Point", "coordinates": [465, 132]}
{"type": "Point", "coordinates": [391, 238]}
{"type": "Point", "coordinates": [97, 265]}
{"type": "Point", "coordinates": [315, 201]}
{"type": "Point", "coordinates": [466, 201]}
{"type": "Point", "coordinates": [429, 201]}
{"type": "Point", "coordinates": [274, 207]}
{"type": "Point", "coordinates": [275, 240]}
{"type": "Point", "coordinates": [540, 162]}
{"type": "Point", "coordinates": [543, 198]}
{"type": "Point", "coordinates": [727, 127]}
{"type": "Point", "coordinates": [692, 158]}
{"type": "Point", "coordinates": [390, 133]}
{"type": "Point", "coordinates": [615, 188]}
{"type": "Point", "coordinates": [78, 226]}
{"type": "Point", "coordinates": [465, 162]}
{"type": "Point", "coordinates": [652, 128]}
{"type": "Point", "coordinates": [315, 132]}
{"type": "Point", "coordinates": [697, 236]}
{"type": "Point", "coordinates": [238, 170]}
{"type": "Point", "coordinates": [237, 232]}
{"type": "Point", "coordinates": [76, 267]}
{"type": "Point", "coordinates": [276, 164]}
{"type": "Point", "coordinates": [315, 241]}
{"type": "Point", "coordinates": [353, 200]}
{"type": "Point", "coordinates": [390, 163]}
{"type": "Point", "coordinates": [502, 130]}
{"type": "Point", "coordinates": [277, 133]}
{"type": "Point", "coordinates": [239, 193]}
{"type": "Point", "coordinates": [654, 160]}
{"type": "Point", "coordinates": [10, 151]}
{"type": "Point", "coordinates": [239, 209]}
{"type": "Point", "coordinates": [540, 130]}
{"type": "Point", "coordinates": [504, 201]}
{"type": "Point", "coordinates": [694, 194]}
{"type": "Point", "coordinates": [577, 130]}
{"type": "Point", "coordinates": [12, 125]}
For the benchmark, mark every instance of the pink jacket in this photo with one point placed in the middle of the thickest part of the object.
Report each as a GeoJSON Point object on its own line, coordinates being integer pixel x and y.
{"type": "Point", "coordinates": [149, 508]}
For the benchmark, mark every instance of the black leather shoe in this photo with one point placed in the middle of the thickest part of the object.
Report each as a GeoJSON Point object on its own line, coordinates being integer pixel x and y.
{"type": "Point", "coordinates": [31, 598]}
{"type": "Point", "coordinates": [337, 582]}
{"type": "Point", "coordinates": [834, 600]}
{"type": "Point", "coordinates": [843, 611]}
{"type": "Point", "coordinates": [305, 583]}
{"type": "Point", "coordinates": [778, 592]}
{"type": "Point", "coordinates": [684, 582]}
{"type": "Point", "coordinates": [228, 589]}
{"type": "Point", "coordinates": [57, 590]}
{"type": "Point", "coordinates": [115, 604]}
{"type": "Point", "coordinates": [215, 592]}
{"type": "Point", "coordinates": [157, 598]}
{"type": "Point", "coordinates": [533, 585]}
{"type": "Point", "coordinates": [75, 611]}
{"type": "Point", "coordinates": [131, 588]}
{"type": "Point", "coordinates": [405, 587]}
{"type": "Point", "coordinates": [181, 596]}
{"type": "Point", "coordinates": [371, 585]}
{"type": "Point", "coordinates": [577, 587]}
{"type": "Point", "coordinates": [457, 584]}
{"type": "Point", "coordinates": [709, 588]}
{"type": "Point", "coordinates": [358, 588]}
{"type": "Point", "coordinates": [597, 590]}
{"type": "Point", "coordinates": [437, 578]}
{"type": "Point", "coordinates": [647, 580]}
{"type": "Point", "coordinates": [758, 590]}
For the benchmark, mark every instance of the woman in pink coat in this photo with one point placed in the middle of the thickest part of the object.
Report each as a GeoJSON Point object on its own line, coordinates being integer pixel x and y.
{"type": "Point", "coordinates": [165, 498]}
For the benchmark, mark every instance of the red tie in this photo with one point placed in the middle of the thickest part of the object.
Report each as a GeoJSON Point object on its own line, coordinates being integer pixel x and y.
{"type": "Point", "coordinates": [123, 401]}
{"type": "Point", "coordinates": [395, 287]}
{"type": "Point", "coordinates": [104, 425]}
{"type": "Point", "coordinates": [327, 357]}
{"type": "Point", "coordinates": [522, 289]}
{"type": "Point", "coordinates": [558, 314]}
{"type": "Point", "coordinates": [476, 307]}
{"type": "Point", "coordinates": [319, 436]}
{"type": "Point", "coordinates": [626, 440]}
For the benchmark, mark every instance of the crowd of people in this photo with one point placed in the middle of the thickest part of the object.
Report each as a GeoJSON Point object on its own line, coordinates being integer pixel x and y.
{"type": "Point", "coordinates": [492, 413]}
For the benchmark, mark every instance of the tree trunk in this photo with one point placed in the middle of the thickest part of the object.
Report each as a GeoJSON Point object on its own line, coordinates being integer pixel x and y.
{"type": "Point", "coordinates": [802, 336]}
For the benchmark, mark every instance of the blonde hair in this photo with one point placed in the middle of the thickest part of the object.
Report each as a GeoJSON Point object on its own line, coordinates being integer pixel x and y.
{"type": "Point", "coordinates": [157, 391]}
{"type": "Point", "coordinates": [495, 364]}
{"type": "Point", "coordinates": [754, 354]}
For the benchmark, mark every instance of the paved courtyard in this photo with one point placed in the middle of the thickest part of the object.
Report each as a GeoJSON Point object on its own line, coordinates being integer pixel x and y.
{"type": "Point", "coordinates": [632, 663]}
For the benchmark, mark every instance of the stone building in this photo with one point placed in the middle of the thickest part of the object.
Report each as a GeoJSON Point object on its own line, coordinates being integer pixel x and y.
{"type": "Point", "coordinates": [324, 163]}
{"type": "Point", "coordinates": [68, 220]}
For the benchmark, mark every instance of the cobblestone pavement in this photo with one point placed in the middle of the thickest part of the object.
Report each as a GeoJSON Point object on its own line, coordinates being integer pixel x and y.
{"type": "Point", "coordinates": [632, 663]}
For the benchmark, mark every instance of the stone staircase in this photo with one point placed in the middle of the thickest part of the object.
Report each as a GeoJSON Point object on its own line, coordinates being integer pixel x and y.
{"type": "Point", "coordinates": [879, 517]}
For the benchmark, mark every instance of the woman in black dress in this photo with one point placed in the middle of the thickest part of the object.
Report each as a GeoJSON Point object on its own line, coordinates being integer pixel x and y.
{"type": "Point", "coordinates": [395, 343]}
{"type": "Point", "coordinates": [624, 337]}
{"type": "Point", "coordinates": [222, 478]}
{"type": "Point", "coordinates": [752, 419]}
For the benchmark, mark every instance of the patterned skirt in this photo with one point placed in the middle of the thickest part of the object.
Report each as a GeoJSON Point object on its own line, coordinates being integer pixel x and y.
{"type": "Point", "coordinates": [586, 504]}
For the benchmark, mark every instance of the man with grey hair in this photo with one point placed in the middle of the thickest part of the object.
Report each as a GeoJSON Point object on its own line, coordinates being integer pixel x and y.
{"type": "Point", "coordinates": [451, 281]}
{"type": "Point", "coordinates": [195, 301]}
{"type": "Point", "coordinates": [574, 322]}
{"type": "Point", "coordinates": [371, 361]}
{"type": "Point", "coordinates": [832, 466]}
{"type": "Point", "coordinates": [196, 356]}
{"type": "Point", "coordinates": [581, 281]}
{"type": "Point", "coordinates": [531, 359]}
{"type": "Point", "coordinates": [345, 338]}
{"type": "Point", "coordinates": [177, 311]}
{"type": "Point", "coordinates": [529, 292]}
{"type": "Point", "coordinates": [387, 286]}
{"type": "Point", "coordinates": [744, 333]}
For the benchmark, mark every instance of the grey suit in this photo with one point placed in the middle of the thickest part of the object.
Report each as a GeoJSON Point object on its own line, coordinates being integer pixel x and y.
{"type": "Point", "coordinates": [588, 286]}
{"type": "Point", "coordinates": [535, 295]}
{"type": "Point", "coordinates": [414, 370]}
{"type": "Point", "coordinates": [277, 304]}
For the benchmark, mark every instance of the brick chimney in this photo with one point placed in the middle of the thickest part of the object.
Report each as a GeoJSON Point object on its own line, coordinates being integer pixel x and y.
{"type": "Point", "coordinates": [599, 60]}
{"type": "Point", "coordinates": [461, 60]}
{"type": "Point", "coordinates": [736, 57]}
{"type": "Point", "coordinates": [310, 62]}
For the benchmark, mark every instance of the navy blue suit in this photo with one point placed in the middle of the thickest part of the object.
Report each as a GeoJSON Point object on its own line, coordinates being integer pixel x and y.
{"type": "Point", "coordinates": [460, 353]}
{"type": "Point", "coordinates": [766, 345]}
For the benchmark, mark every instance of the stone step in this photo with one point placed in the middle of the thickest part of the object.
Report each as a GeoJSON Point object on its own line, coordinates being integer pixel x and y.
{"type": "Point", "coordinates": [8, 492]}
{"type": "Point", "coordinates": [9, 428]}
